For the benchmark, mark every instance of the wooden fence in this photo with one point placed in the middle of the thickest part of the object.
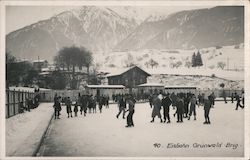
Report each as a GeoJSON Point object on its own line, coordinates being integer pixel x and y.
{"type": "Point", "coordinates": [13, 98]}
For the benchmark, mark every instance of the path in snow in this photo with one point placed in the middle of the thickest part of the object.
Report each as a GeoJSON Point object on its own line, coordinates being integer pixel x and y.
{"type": "Point", "coordinates": [104, 135]}
{"type": "Point", "coordinates": [24, 131]}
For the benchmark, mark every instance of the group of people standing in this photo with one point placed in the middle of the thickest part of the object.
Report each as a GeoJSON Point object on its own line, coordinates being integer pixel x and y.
{"type": "Point", "coordinates": [185, 104]}
{"type": "Point", "coordinates": [83, 104]}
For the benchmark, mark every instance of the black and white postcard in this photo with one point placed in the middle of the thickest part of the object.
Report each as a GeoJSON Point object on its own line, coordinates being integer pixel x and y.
{"type": "Point", "coordinates": [125, 79]}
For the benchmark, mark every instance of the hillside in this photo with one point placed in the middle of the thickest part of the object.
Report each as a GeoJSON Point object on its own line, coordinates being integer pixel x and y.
{"type": "Point", "coordinates": [96, 28]}
{"type": "Point", "coordinates": [109, 29]}
{"type": "Point", "coordinates": [174, 65]}
{"type": "Point", "coordinates": [200, 28]}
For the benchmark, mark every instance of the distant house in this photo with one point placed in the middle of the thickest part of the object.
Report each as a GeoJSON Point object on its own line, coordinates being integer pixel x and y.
{"type": "Point", "coordinates": [107, 90]}
{"type": "Point", "coordinates": [179, 89]}
{"type": "Point", "coordinates": [39, 64]}
{"type": "Point", "coordinates": [151, 88]}
{"type": "Point", "coordinates": [130, 77]}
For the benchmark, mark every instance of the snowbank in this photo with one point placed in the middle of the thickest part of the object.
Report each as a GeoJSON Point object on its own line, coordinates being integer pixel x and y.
{"type": "Point", "coordinates": [24, 131]}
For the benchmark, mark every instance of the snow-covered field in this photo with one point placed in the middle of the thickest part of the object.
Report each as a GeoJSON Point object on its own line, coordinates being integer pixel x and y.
{"type": "Point", "coordinates": [232, 58]}
{"type": "Point", "coordinates": [24, 131]}
{"type": "Point", "coordinates": [104, 135]}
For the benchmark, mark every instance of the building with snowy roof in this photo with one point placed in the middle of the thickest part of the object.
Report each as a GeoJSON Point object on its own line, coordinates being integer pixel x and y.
{"type": "Point", "coordinates": [180, 89]}
{"type": "Point", "coordinates": [130, 77]}
{"type": "Point", "coordinates": [150, 88]}
{"type": "Point", "coordinates": [107, 90]}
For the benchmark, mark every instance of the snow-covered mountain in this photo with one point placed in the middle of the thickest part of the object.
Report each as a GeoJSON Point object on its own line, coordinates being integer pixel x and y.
{"type": "Point", "coordinates": [96, 28]}
{"type": "Point", "coordinates": [123, 28]}
{"type": "Point", "coordinates": [200, 28]}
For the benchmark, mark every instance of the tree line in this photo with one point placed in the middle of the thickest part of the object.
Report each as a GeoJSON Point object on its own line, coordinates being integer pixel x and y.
{"type": "Point", "coordinates": [67, 59]}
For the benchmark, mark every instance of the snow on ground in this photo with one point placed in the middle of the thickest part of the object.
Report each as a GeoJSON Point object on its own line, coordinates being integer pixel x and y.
{"type": "Point", "coordinates": [202, 82]}
{"type": "Point", "coordinates": [24, 131]}
{"type": "Point", "coordinates": [104, 135]}
{"type": "Point", "coordinates": [232, 58]}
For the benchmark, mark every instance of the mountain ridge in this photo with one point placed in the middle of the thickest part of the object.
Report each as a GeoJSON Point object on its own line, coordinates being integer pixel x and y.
{"type": "Point", "coordinates": [103, 29]}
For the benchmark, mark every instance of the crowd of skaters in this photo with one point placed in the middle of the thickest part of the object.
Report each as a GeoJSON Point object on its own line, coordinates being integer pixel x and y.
{"type": "Point", "coordinates": [184, 105]}
{"type": "Point", "coordinates": [83, 104]}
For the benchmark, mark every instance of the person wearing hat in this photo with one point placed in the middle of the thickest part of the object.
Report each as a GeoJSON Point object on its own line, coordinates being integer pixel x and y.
{"type": "Point", "coordinates": [131, 110]}
{"type": "Point", "coordinates": [166, 102]}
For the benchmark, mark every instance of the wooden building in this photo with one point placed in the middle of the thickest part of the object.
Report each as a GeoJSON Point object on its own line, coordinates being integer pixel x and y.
{"type": "Point", "coordinates": [150, 88]}
{"type": "Point", "coordinates": [179, 89]}
{"type": "Point", "coordinates": [107, 90]}
{"type": "Point", "coordinates": [130, 77]}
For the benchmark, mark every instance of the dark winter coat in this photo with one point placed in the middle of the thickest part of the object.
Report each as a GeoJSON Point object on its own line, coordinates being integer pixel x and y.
{"type": "Point", "coordinates": [180, 106]}
{"type": "Point", "coordinates": [207, 105]}
{"type": "Point", "coordinates": [157, 107]}
{"type": "Point", "coordinates": [166, 102]}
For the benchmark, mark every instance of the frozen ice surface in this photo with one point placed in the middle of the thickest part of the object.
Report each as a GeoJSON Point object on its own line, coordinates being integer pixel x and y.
{"type": "Point", "coordinates": [105, 135]}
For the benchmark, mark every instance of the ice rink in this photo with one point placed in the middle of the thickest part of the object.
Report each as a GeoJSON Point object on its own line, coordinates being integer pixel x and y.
{"type": "Point", "coordinates": [98, 135]}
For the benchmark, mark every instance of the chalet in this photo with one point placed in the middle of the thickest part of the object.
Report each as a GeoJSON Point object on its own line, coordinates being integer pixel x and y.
{"type": "Point", "coordinates": [130, 77]}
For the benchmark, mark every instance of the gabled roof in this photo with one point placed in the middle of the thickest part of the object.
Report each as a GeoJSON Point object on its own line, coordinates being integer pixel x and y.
{"type": "Point", "coordinates": [122, 71]}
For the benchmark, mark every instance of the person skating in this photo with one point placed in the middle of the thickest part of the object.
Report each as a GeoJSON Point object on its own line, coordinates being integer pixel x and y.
{"type": "Point", "coordinates": [173, 98]}
{"type": "Point", "coordinates": [76, 109]}
{"type": "Point", "coordinates": [224, 96]}
{"type": "Point", "coordinates": [192, 109]}
{"type": "Point", "coordinates": [156, 108]}
{"type": "Point", "coordinates": [232, 97]}
{"type": "Point", "coordinates": [68, 107]}
{"type": "Point", "coordinates": [237, 97]}
{"type": "Point", "coordinates": [150, 99]}
{"type": "Point", "coordinates": [211, 97]}
{"type": "Point", "coordinates": [166, 102]}
{"type": "Point", "coordinates": [131, 110]}
{"type": "Point", "coordinates": [84, 103]}
{"type": "Point", "coordinates": [57, 108]}
{"type": "Point", "coordinates": [186, 103]}
{"type": "Point", "coordinates": [122, 107]}
{"type": "Point", "coordinates": [180, 109]}
{"type": "Point", "coordinates": [101, 103]}
{"type": "Point", "coordinates": [107, 101]}
{"type": "Point", "coordinates": [207, 106]}
{"type": "Point", "coordinates": [243, 98]}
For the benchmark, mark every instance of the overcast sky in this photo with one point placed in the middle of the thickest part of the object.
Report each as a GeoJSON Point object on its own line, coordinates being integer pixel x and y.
{"type": "Point", "coordinates": [21, 16]}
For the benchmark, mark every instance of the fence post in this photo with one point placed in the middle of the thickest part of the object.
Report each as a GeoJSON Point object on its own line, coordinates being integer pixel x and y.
{"type": "Point", "coordinates": [8, 104]}
{"type": "Point", "coordinates": [14, 102]}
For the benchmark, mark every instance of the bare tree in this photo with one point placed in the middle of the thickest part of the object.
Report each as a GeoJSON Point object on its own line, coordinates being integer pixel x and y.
{"type": "Point", "coordinates": [73, 57]}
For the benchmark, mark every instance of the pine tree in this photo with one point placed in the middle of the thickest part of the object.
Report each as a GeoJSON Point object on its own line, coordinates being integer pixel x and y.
{"type": "Point", "coordinates": [194, 60]}
{"type": "Point", "coordinates": [198, 59]}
